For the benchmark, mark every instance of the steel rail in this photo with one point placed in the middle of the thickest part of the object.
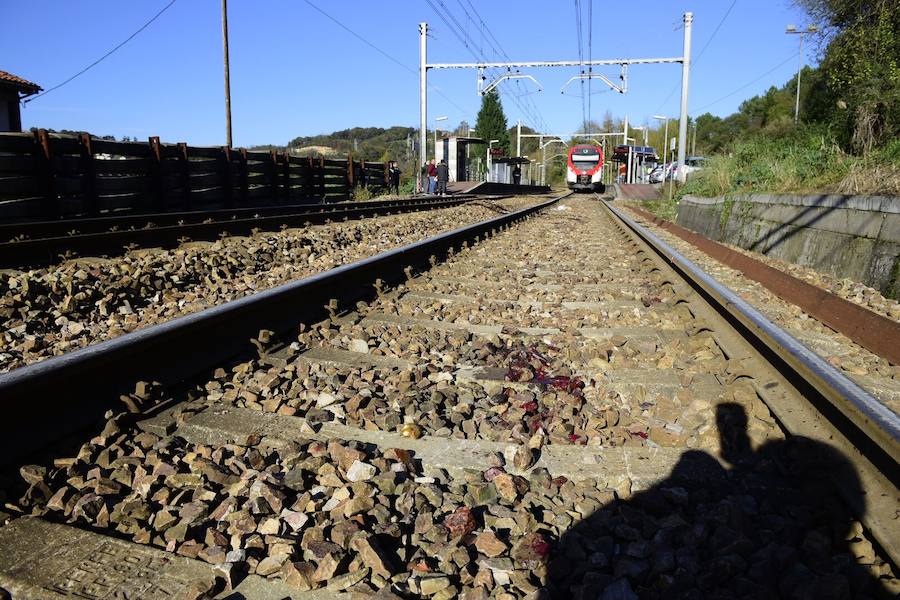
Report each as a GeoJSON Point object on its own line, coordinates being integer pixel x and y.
{"type": "Point", "coordinates": [874, 332]}
{"type": "Point", "coordinates": [859, 421]}
{"type": "Point", "coordinates": [37, 251]}
{"type": "Point", "coordinates": [129, 220]}
{"type": "Point", "coordinates": [863, 409]}
{"type": "Point", "coordinates": [46, 401]}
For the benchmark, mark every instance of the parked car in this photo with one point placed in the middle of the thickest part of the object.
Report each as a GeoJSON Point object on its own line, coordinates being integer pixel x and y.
{"type": "Point", "coordinates": [661, 173]}
{"type": "Point", "coordinates": [692, 164]}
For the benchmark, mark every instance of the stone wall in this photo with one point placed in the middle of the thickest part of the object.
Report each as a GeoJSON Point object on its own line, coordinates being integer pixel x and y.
{"type": "Point", "coordinates": [855, 237]}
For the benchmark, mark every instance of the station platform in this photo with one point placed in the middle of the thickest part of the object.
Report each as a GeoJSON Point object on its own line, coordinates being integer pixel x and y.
{"type": "Point", "coordinates": [636, 191]}
{"type": "Point", "coordinates": [485, 187]}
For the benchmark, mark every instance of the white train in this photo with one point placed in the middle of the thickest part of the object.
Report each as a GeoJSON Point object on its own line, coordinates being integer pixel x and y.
{"type": "Point", "coordinates": [585, 169]}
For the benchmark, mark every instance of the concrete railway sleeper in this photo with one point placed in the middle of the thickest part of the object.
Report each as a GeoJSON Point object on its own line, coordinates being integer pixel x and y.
{"type": "Point", "coordinates": [550, 412]}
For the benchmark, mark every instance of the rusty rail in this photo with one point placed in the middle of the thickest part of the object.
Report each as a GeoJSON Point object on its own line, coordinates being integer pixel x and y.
{"type": "Point", "coordinates": [875, 333]}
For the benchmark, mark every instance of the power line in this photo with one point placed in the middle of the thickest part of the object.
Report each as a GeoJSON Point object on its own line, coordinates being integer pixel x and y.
{"type": "Point", "coordinates": [715, 31]}
{"type": "Point", "coordinates": [454, 26]}
{"type": "Point", "coordinates": [534, 112]}
{"type": "Point", "coordinates": [746, 85]}
{"type": "Point", "coordinates": [699, 54]}
{"type": "Point", "coordinates": [580, 39]}
{"type": "Point", "coordinates": [102, 58]}
{"type": "Point", "coordinates": [529, 108]}
{"type": "Point", "coordinates": [383, 53]}
{"type": "Point", "coordinates": [590, 55]}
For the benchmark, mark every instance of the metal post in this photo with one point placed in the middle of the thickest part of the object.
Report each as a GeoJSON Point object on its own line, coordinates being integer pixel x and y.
{"type": "Point", "coordinates": [628, 167]}
{"type": "Point", "coordinates": [694, 142]}
{"type": "Point", "coordinates": [672, 175]}
{"type": "Point", "coordinates": [423, 82]}
{"type": "Point", "coordinates": [799, 69]}
{"type": "Point", "coordinates": [543, 157]}
{"type": "Point", "coordinates": [685, 81]}
{"type": "Point", "coordinates": [666, 151]}
{"type": "Point", "coordinates": [436, 121]}
{"type": "Point", "coordinates": [519, 138]}
{"type": "Point", "coordinates": [227, 74]}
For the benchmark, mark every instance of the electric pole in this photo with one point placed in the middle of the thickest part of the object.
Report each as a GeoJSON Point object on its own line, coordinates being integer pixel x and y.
{"type": "Point", "coordinates": [792, 29]}
{"type": "Point", "coordinates": [685, 81]}
{"type": "Point", "coordinates": [227, 75]}
{"type": "Point", "coordinates": [423, 96]}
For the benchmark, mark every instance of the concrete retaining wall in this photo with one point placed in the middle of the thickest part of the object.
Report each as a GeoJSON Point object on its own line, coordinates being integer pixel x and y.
{"type": "Point", "coordinates": [855, 237]}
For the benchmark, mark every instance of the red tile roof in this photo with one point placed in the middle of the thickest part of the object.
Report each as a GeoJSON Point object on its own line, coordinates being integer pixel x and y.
{"type": "Point", "coordinates": [23, 84]}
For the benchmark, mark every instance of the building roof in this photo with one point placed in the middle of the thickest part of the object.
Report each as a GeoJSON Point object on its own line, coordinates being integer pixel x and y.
{"type": "Point", "coordinates": [21, 84]}
{"type": "Point", "coordinates": [512, 160]}
{"type": "Point", "coordinates": [463, 138]}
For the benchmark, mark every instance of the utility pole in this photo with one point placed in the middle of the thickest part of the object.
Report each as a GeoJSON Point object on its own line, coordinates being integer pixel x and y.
{"type": "Point", "coordinates": [423, 84]}
{"type": "Point", "coordinates": [628, 166]}
{"type": "Point", "coordinates": [685, 82]}
{"type": "Point", "coordinates": [625, 143]}
{"type": "Point", "coordinates": [792, 29]}
{"type": "Point", "coordinates": [227, 74]}
{"type": "Point", "coordinates": [436, 119]}
{"type": "Point", "coordinates": [519, 138]}
{"type": "Point", "coordinates": [694, 142]}
{"type": "Point", "coordinates": [665, 154]}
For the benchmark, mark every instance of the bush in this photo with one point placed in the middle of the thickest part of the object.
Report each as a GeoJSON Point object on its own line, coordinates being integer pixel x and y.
{"type": "Point", "coordinates": [796, 160]}
{"type": "Point", "coordinates": [361, 193]}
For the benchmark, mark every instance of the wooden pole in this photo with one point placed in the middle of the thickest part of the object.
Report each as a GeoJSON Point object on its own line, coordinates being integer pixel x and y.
{"type": "Point", "coordinates": [89, 174]}
{"type": "Point", "coordinates": [227, 74]}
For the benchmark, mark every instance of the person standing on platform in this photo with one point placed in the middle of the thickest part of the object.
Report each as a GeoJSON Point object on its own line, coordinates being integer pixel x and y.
{"type": "Point", "coordinates": [432, 176]}
{"type": "Point", "coordinates": [394, 179]}
{"type": "Point", "coordinates": [443, 176]}
{"type": "Point", "coordinates": [517, 174]}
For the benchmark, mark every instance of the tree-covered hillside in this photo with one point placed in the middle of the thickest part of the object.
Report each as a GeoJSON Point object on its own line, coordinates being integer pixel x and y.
{"type": "Point", "coordinates": [848, 136]}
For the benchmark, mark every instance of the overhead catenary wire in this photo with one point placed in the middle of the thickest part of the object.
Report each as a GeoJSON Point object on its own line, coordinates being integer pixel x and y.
{"type": "Point", "coordinates": [590, 56]}
{"type": "Point", "coordinates": [383, 53]}
{"type": "Point", "coordinates": [579, 38]}
{"type": "Point", "coordinates": [748, 84]}
{"type": "Point", "coordinates": [455, 27]}
{"type": "Point", "coordinates": [105, 56]}
{"type": "Point", "coordinates": [498, 48]}
{"type": "Point", "coordinates": [526, 105]}
{"type": "Point", "coordinates": [699, 54]}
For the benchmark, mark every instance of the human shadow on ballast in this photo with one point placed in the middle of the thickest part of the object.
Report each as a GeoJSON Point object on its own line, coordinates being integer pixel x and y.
{"type": "Point", "coordinates": [780, 522]}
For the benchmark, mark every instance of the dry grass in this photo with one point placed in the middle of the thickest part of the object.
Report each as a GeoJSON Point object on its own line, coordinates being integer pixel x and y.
{"type": "Point", "coordinates": [806, 162]}
{"type": "Point", "coordinates": [862, 178]}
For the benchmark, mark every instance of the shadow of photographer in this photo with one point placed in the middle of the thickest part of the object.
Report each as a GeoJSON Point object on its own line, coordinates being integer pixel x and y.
{"type": "Point", "coordinates": [778, 522]}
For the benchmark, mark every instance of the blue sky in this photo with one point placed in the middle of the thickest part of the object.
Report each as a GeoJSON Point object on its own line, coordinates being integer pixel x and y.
{"type": "Point", "coordinates": [295, 72]}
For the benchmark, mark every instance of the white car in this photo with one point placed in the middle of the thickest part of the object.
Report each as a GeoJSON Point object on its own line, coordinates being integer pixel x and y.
{"type": "Point", "coordinates": [692, 164]}
{"type": "Point", "coordinates": [660, 173]}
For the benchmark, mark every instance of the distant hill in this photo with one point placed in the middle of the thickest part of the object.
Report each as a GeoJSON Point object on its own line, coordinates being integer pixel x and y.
{"type": "Point", "coordinates": [368, 143]}
{"type": "Point", "coordinates": [378, 144]}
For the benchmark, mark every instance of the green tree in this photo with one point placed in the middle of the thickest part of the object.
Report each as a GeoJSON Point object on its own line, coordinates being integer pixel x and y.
{"type": "Point", "coordinates": [861, 68]}
{"type": "Point", "coordinates": [491, 123]}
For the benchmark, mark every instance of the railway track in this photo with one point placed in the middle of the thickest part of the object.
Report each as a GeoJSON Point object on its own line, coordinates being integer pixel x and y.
{"type": "Point", "coordinates": [44, 242]}
{"type": "Point", "coordinates": [561, 409]}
